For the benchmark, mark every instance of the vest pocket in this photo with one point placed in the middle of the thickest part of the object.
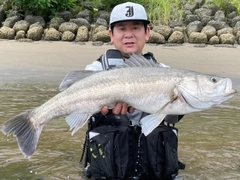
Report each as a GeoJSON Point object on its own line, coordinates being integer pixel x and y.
{"type": "Point", "coordinates": [109, 151]}
{"type": "Point", "coordinates": [162, 152]}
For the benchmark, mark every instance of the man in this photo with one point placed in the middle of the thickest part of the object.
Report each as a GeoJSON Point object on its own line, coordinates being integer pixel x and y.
{"type": "Point", "coordinates": [129, 31]}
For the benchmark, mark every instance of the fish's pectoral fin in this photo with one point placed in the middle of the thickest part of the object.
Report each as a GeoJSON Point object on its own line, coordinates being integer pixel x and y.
{"type": "Point", "coordinates": [173, 97]}
{"type": "Point", "coordinates": [23, 129]}
{"type": "Point", "coordinates": [76, 121]}
{"type": "Point", "coordinates": [150, 122]}
{"type": "Point", "coordinates": [73, 77]}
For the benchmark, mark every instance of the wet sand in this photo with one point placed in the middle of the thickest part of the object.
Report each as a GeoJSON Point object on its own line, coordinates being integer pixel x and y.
{"type": "Point", "coordinates": [48, 62]}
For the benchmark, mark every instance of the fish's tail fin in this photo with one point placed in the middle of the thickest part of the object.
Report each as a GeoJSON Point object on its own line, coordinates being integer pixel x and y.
{"type": "Point", "coordinates": [25, 132]}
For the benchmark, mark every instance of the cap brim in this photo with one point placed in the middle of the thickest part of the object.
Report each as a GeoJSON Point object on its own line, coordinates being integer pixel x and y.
{"type": "Point", "coordinates": [141, 20]}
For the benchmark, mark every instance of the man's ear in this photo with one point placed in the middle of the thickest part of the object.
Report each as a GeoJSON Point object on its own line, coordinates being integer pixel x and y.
{"type": "Point", "coordinates": [147, 33]}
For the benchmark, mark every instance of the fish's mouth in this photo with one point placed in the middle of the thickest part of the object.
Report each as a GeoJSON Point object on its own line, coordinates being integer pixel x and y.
{"type": "Point", "coordinates": [233, 91]}
{"type": "Point", "coordinates": [225, 92]}
{"type": "Point", "coordinates": [228, 88]}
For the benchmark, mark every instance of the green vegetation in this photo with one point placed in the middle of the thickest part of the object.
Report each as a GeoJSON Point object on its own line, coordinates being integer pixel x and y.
{"type": "Point", "coordinates": [236, 3]}
{"type": "Point", "coordinates": [224, 4]}
{"type": "Point", "coordinates": [109, 4]}
{"type": "Point", "coordinates": [163, 11]}
{"type": "Point", "coordinates": [159, 11]}
{"type": "Point", "coordinates": [46, 8]}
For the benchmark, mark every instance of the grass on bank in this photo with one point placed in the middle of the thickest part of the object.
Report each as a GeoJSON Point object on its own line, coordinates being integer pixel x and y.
{"type": "Point", "coordinates": [159, 11]}
{"type": "Point", "coordinates": [164, 11]}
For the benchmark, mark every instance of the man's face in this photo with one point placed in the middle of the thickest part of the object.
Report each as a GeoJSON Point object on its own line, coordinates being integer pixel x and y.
{"type": "Point", "coordinates": [129, 37]}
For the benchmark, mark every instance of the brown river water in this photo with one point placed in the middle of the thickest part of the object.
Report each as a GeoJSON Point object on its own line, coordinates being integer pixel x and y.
{"type": "Point", "coordinates": [209, 141]}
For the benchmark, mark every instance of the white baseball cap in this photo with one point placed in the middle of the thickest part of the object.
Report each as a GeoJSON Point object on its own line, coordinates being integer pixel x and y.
{"type": "Point", "coordinates": [128, 12]}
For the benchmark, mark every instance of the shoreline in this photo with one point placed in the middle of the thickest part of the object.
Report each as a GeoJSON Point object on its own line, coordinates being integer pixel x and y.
{"type": "Point", "coordinates": [48, 62]}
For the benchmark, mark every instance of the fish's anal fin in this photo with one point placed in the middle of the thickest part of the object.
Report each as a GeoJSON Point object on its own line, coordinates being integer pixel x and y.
{"type": "Point", "coordinates": [150, 122]}
{"type": "Point", "coordinates": [76, 121]}
{"type": "Point", "coordinates": [25, 132]}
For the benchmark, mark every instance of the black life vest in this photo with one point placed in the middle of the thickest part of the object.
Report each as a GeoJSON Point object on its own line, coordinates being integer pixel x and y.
{"type": "Point", "coordinates": [115, 149]}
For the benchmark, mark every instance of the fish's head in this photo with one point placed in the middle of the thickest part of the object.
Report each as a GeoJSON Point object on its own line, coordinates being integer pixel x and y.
{"type": "Point", "coordinates": [205, 91]}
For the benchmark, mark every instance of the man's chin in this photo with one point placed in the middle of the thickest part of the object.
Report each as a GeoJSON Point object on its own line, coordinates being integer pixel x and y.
{"type": "Point", "coordinates": [130, 51]}
{"type": "Point", "coordinates": [126, 55]}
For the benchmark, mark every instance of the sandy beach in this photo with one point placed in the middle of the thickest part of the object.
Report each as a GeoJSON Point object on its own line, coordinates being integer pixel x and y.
{"type": "Point", "coordinates": [48, 62]}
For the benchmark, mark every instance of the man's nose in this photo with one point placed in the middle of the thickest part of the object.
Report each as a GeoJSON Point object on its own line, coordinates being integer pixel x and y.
{"type": "Point", "coordinates": [129, 34]}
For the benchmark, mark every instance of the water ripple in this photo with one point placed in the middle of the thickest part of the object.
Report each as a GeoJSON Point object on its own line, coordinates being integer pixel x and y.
{"type": "Point", "coordinates": [208, 141]}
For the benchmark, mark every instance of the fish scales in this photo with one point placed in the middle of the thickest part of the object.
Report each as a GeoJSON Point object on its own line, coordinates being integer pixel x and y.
{"type": "Point", "coordinates": [91, 97]}
{"type": "Point", "coordinates": [152, 89]}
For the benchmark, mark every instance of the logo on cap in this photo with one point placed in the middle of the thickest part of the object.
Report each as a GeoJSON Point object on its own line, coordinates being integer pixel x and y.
{"type": "Point", "coordinates": [130, 11]}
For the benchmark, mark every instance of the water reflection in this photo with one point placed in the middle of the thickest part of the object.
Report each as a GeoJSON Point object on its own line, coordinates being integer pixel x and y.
{"type": "Point", "coordinates": [58, 153]}
{"type": "Point", "coordinates": [208, 141]}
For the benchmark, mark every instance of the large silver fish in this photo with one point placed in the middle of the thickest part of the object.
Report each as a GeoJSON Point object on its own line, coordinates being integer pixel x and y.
{"type": "Point", "coordinates": [140, 83]}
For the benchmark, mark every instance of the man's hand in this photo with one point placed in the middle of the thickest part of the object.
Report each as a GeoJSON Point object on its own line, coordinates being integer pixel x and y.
{"type": "Point", "coordinates": [119, 108]}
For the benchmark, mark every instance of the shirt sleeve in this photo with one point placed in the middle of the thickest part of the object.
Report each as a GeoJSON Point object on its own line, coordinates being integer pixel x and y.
{"type": "Point", "coordinates": [94, 66]}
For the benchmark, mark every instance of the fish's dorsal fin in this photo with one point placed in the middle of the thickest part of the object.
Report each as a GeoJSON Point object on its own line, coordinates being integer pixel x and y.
{"type": "Point", "coordinates": [141, 61]}
{"type": "Point", "coordinates": [135, 60]}
{"type": "Point", "coordinates": [73, 77]}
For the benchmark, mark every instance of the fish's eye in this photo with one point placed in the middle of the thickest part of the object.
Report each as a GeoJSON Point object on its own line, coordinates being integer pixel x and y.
{"type": "Point", "coordinates": [214, 80]}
